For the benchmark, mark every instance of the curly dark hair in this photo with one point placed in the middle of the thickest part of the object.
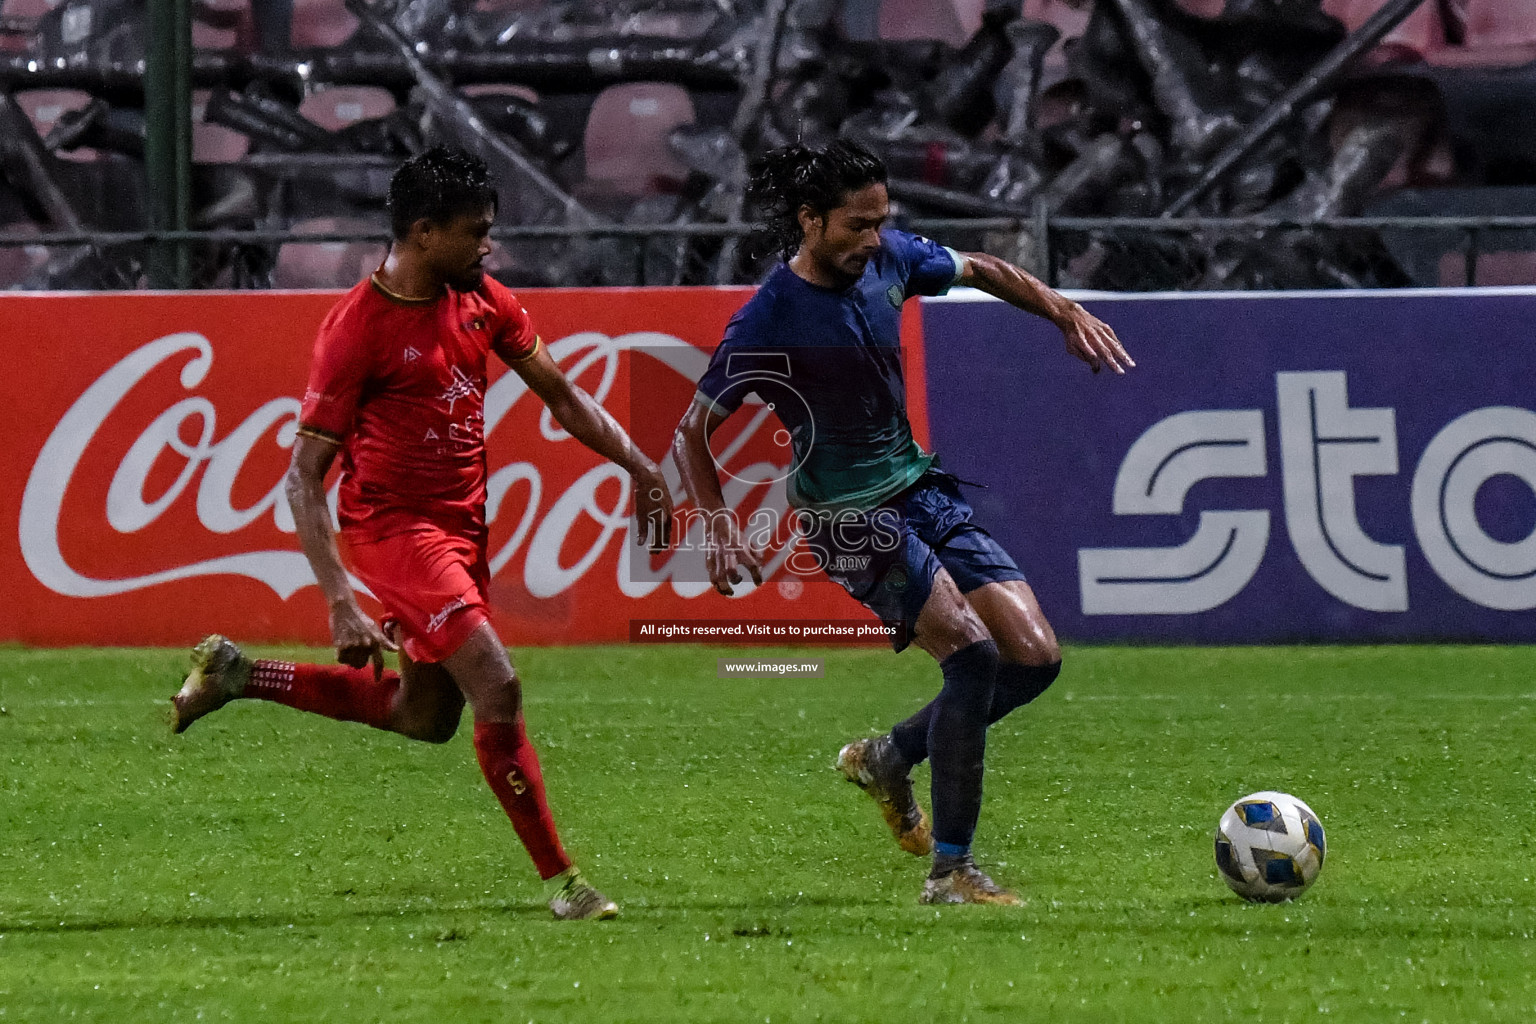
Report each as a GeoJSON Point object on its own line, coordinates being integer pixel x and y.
{"type": "Point", "coordinates": [787, 178]}
{"type": "Point", "coordinates": [439, 184]}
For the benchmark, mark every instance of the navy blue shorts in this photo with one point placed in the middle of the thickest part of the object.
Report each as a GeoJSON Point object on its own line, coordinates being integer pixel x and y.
{"type": "Point", "coordinates": [887, 558]}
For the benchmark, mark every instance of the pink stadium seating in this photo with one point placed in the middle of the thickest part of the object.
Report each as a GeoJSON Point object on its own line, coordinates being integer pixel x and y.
{"type": "Point", "coordinates": [1070, 19]}
{"type": "Point", "coordinates": [21, 11]}
{"type": "Point", "coordinates": [210, 37]}
{"type": "Point", "coordinates": [948, 21]}
{"type": "Point", "coordinates": [214, 143]}
{"type": "Point", "coordinates": [1499, 23]}
{"type": "Point", "coordinates": [45, 106]}
{"type": "Point", "coordinates": [1497, 33]}
{"type": "Point", "coordinates": [626, 138]}
{"type": "Point", "coordinates": [1421, 34]}
{"type": "Point", "coordinates": [501, 89]}
{"type": "Point", "coordinates": [18, 262]}
{"type": "Point", "coordinates": [509, 5]}
{"type": "Point", "coordinates": [321, 23]}
{"type": "Point", "coordinates": [1494, 269]}
{"type": "Point", "coordinates": [326, 264]}
{"type": "Point", "coordinates": [1203, 8]}
{"type": "Point", "coordinates": [335, 107]}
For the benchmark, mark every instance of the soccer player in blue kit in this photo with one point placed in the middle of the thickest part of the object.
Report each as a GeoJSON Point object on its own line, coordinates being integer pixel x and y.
{"type": "Point", "coordinates": [820, 342]}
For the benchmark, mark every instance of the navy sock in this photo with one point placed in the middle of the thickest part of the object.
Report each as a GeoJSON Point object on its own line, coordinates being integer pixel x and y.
{"type": "Point", "coordinates": [957, 741]}
{"type": "Point", "coordinates": [947, 857]}
{"type": "Point", "coordinates": [1016, 686]}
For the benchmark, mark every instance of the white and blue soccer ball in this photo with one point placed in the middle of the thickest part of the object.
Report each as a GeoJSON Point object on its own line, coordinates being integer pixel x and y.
{"type": "Point", "coordinates": [1270, 847]}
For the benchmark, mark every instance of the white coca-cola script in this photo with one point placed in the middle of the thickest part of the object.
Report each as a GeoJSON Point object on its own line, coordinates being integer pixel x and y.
{"type": "Point", "coordinates": [541, 529]}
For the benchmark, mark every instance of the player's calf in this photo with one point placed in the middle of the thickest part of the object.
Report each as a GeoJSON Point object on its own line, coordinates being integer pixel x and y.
{"type": "Point", "coordinates": [430, 704]}
{"type": "Point", "coordinates": [221, 672]}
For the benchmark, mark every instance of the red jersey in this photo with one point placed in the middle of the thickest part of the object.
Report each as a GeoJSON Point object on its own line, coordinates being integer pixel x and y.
{"type": "Point", "coordinates": [401, 386]}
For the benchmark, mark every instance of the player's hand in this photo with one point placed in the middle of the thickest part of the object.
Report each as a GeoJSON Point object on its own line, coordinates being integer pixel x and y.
{"type": "Point", "coordinates": [726, 554]}
{"type": "Point", "coordinates": [1093, 341]}
{"type": "Point", "coordinates": [653, 509]}
{"type": "Point", "coordinates": [358, 638]}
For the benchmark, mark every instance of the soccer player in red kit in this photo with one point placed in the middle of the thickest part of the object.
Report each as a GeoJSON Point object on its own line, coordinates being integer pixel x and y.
{"type": "Point", "coordinates": [396, 390]}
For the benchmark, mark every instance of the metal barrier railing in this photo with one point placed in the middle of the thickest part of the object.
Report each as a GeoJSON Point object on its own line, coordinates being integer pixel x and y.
{"type": "Point", "coordinates": [1031, 241]}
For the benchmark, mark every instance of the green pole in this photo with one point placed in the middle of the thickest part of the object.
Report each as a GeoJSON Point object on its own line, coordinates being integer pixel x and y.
{"type": "Point", "coordinates": [168, 136]}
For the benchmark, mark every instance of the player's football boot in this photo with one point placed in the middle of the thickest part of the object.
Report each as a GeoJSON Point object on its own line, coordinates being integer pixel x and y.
{"type": "Point", "coordinates": [577, 900]}
{"type": "Point", "coordinates": [219, 674]}
{"type": "Point", "coordinates": [967, 884]}
{"type": "Point", "coordinates": [876, 767]}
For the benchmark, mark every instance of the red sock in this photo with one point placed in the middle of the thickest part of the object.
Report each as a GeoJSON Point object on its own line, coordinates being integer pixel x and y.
{"type": "Point", "coordinates": [335, 691]}
{"type": "Point", "coordinates": [511, 766]}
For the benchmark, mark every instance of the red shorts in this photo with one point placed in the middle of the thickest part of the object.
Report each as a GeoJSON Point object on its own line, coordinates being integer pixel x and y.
{"type": "Point", "coordinates": [432, 584]}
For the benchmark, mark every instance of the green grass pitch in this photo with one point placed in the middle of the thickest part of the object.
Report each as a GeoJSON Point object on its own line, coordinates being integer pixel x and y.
{"type": "Point", "coordinates": [270, 865]}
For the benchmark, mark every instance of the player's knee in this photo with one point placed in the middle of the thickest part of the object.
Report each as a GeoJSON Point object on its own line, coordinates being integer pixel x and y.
{"type": "Point", "coordinates": [499, 699]}
{"type": "Point", "coordinates": [1034, 651]}
{"type": "Point", "coordinates": [1048, 656]}
{"type": "Point", "coordinates": [1018, 684]}
{"type": "Point", "coordinates": [430, 712]}
{"type": "Point", "coordinates": [443, 725]}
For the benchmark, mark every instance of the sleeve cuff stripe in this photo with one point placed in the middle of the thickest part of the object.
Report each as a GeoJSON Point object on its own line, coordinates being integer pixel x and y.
{"type": "Point", "coordinates": [537, 341]}
{"type": "Point", "coordinates": [710, 404]}
{"type": "Point", "coordinates": [959, 265]}
{"type": "Point", "coordinates": [319, 434]}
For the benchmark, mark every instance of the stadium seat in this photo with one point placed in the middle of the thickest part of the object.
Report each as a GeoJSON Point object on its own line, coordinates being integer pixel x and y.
{"type": "Point", "coordinates": [1494, 269]}
{"type": "Point", "coordinates": [1203, 8]}
{"type": "Point", "coordinates": [1422, 34]}
{"type": "Point", "coordinates": [523, 6]}
{"type": "Point", "coordinates": [1496, 33]}
{"type": "Point", "coordinates": [214, 143]}
{"type": "Point", "coordinates": [626, 138]}
{"type": "Point", "coordinates": [44, 107]}
{"type": "Point", "coordinates": [1070, 19]}
{"type": "Point", "coordinates": [335, 107]}
{"type": "Point", "coordinates": [326, 264]}
{"type": "Point", "coordinates": [500, 89]}
{"type": "Point", "coordinates": [948, 21]}
{"type": "Point", "coordinates": [22, 13]}
{"type": "Point", "coordinates": [18, 263]}
{"type": "Point", "coordinates": [223, 37]}
{"type": "Point", "coordinates": [321, 23]}
{"type": "Point", "coordinates": [1491, 23]}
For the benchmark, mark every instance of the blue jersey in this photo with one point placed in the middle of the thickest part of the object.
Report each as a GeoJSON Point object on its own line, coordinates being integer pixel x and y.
{"type": "Point", "coordinates": [828, 362]}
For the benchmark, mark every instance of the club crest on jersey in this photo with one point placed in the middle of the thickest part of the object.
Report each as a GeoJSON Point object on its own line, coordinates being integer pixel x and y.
{"type": "Point", "coordinates": [460, 387]}
{"type": "Point", "coordinates": [896, 295]}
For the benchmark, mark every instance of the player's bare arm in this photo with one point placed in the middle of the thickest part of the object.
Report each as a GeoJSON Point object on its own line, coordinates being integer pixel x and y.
{"type": "Point", "coordinates": [1088, 338]}
{"type": "Point", "coordinates": [588, 422]}
{"type": "Point", "coordinates": [726, 553]}
{"type": "Point", "coordinates": [358, 640]}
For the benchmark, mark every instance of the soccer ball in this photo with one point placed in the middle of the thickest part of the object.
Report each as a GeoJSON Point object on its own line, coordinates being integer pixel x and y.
{"type": "Point", "coordinates": [1269, 847]}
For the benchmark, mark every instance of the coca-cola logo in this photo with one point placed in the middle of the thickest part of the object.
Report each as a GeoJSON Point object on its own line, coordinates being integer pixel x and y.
{"type": "Point", "coordinates": [209, 466]}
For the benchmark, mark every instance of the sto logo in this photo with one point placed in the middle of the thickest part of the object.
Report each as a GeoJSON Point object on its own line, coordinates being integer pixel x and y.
{"type": "Point", "coordinates": [1324, 445]}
